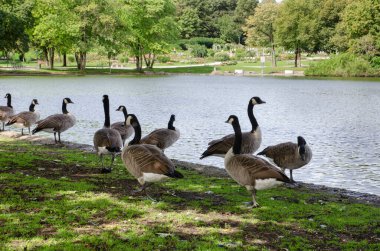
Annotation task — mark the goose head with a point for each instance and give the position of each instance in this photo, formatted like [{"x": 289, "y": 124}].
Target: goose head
[
  {"x": 301, "y": 147},
  {"x": 257, "y": 101},
  {"x": 172, "y": 118},
  {"x": 232, "y": 119},
  {"x": 35, "y": 102},
  {"x": 8, "y": 95},
  {"x": 68, "y": 101},
  {"x": 121, "y": 108}
]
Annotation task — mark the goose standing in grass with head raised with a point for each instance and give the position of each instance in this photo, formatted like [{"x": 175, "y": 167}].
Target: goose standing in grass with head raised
[
  {"x": 124, "y": 130},
  {"x": 57, "y": 123},
  {"x": 163, "y": 137},
  {"x": 289, "y": 155},
  {"x": 147, "y": 163},
  {"x": 107, "y": 140},
  {"x": 252, "y": 172},
  {"x": 6, "y": 111},
  {"x": 25, "y": 119},
  {"x": 251, "y": 140}
]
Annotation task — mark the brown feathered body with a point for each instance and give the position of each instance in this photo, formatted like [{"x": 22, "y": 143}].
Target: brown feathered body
[
  {"x": 6, "y": 113},
  {"x": 107, "y": 141},
  {"x": 125, "y": 130},
  {"x": 24, "y": 119},
  {"x": 56, "y": 123},
  {"x": 162, "y": 138}
]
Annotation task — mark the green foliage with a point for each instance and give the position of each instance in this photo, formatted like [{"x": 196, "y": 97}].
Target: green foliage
[
  {"x": 199, "y": 51},
  {"x": 342, "y": 65},
  {"x": 163, "y": 59},
  {"x": 221, "y": 56},
  {"x": 375, "y": 62},
  {"x": 208, "y": 42},
  {"x": 229, "y": 30}
]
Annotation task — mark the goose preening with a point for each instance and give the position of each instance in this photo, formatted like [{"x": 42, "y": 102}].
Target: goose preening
[
  {"x": 147, "y": 163},
  {"x": 25, "y": 119},
  {"x": 6, "y": 111},
  {"x": 289, "y": 155},
  {"x": 57, "y": 123},
  {"x": 124, "y": 130},
  {"x": 163, "y": 137},
  {"x": 251, "y": 139},
  {"x": 107, "y": 140},
  {"x": 252, "y": 172}
]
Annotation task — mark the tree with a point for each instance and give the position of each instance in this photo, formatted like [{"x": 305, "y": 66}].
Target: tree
[
  {"x": 189, "y": 22},
  {"x": 230, "y": 31},
  {"x": 15, "y": 20},
  {"x": 359, "y": 29},
  {"x": 150, "y": 29},
  {"x": 297, "y": 27},
  {"x": 244, "y": 9},
  {"x": 260, "y": 27}
]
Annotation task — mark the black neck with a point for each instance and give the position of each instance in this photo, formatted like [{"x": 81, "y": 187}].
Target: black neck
[
  {"x": 136, "y": 139},
  {"x": 31, "y": 107},
  {"x": 170, "y": 124},
  {"x": 64, "y": 109},
  {"x": 125, "y": 112},
  {"x": 238, "y": 138},
  {"x": 106, "y": 106},
  {"x": 9, "y": 103},
  {"x": 252, "y": 117}
]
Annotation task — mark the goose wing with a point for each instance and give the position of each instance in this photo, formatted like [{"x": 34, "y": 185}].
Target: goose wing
[
  {"x": 247, "y": 166},
  {"x": 147, "y": 159},
  {"x": 125, "y": 131},
  {"x": 162, "y": 138},
  {"x": 5, "y": 111},
  {"x": 107, "y": 137},
  {"x": 53, "y": 121},
  {"x": 281, "y": 153},
  {"x": 24, "y": 118}
]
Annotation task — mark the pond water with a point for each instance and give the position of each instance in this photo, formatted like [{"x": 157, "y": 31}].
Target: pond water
[{"x": 340, "y": 119}]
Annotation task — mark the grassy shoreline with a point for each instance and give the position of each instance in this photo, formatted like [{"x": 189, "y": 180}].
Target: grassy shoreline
[{"x": 54, "y": 198}]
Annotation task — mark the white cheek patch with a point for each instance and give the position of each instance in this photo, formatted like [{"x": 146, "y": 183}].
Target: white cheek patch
[
  {"x": 66, "y": 102},
  {"x": 254, "y": 102},
  {"x": 231, "y": 120},
  {"x": 128, "y": 122}
]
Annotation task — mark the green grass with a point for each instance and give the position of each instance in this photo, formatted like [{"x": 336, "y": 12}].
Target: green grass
[{"x": 54, "y": 198}]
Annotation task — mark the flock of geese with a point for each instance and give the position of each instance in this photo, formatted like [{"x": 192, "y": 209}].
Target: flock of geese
[{"x": 144, "y": 158}]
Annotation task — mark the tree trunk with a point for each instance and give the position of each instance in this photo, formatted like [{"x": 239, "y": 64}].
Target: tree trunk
[
  {"x": 149, "y": 61},
  {"x": 81, "y": 57},
  {"x": 51, "y": 58},
  {"x": 299, "y": 58},
  {"x": 274, "y": 61},
  {"x": 296, "y": 55},
  {"x": 46, "y": 57},
  {"x": 64, "y": 60}
]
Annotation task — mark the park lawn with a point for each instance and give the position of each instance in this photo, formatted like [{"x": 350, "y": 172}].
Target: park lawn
[
  {"x": 256, "y": 67},
  {"x": 55, "y": 198}
]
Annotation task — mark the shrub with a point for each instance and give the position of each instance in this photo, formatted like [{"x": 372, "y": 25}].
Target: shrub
[
  {"x": 123, "y": 59},
  {"x": 375, "y": 62},
  {"x": 221, "y": 56},
  {"x": 199, "y": 51},
  {"x": 342, "y": 65},
  {"x": 185, "y": 44},
  {"x": 240, "y": 54},
  {"x": 163, "y": 59},
  {"x": 71, "y": 58}
]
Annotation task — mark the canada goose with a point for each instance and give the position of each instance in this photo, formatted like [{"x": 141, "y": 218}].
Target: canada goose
[
  {"x": 251, "y": 139},
  {"x": 125, "y": 131},
  {"x": 57, "y": 123},
  {"x": 163, "y": 137},
  {"x": 147, "y": 163},
  {"x": 107, "y": 140},
  {"x": 248, "y": 170},
  {"x": 25, "y": 119},
  {"x": 6, "y": 111},
  {"x": 289, "y": 155}
]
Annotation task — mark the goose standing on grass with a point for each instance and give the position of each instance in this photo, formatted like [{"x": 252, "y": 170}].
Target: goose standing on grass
[
  {"x": 57, "y": 123},
  {"x": 163, "y": 137},
  {"x": 125, "y": 131},
  {"x": 6, "y": 111},
  {"x": 25, "y": 119},
  {"x": 251, "y": 139},
  {"x": 147, "y": 163},
  {"x": 289, "y": 155},
  {"x": 107, "y": 140},
  {"x": 252, "y": 172}
]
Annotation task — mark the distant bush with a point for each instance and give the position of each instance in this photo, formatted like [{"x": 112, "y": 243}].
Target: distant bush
[
  {"x": 185, "y": 44},
  {"x": 342, "y": 65},
  {"x": 123, "y": 59},
  {"x": 221, "y": 56},
  {"x": 71, "y": 58},
  {"x": 163, "y": 59},
  {"x": 199, "y": 51},
  {"x": 240, "y": 54},
  {"x": 375, "y": 62}
]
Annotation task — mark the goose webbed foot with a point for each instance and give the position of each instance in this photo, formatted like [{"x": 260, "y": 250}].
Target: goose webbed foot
[{"x": 252, "y": 204}]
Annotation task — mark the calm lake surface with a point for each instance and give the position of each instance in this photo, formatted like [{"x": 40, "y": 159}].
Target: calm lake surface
[{"x": 340, "y": 119}]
